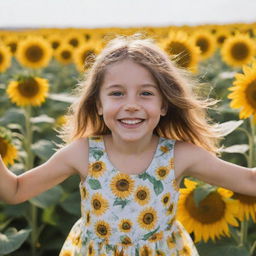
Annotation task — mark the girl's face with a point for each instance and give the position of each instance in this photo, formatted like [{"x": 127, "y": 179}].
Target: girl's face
[{"x": 130, "y": 101}]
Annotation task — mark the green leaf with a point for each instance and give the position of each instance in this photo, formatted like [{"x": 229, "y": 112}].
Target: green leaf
[
  {"x": 158, "y": 185},
  {"x": 72, "y": 204},
  {"x": 12, "y": 239},
  {"x": 48, "y": 198},
  {"x": 119, "y": 201},
  {"x": 229, "y": 126},
  {"x": 49, "y": 216},
  {"x": 44, "y": 149},
  {"x": 13, "y": 115},
  {"x": 94, "y": 184},
  {"x": 148, "y": 235},
  {"x": 242, "y": 148},
  {"x": 42, "y": 119},
  {"x": 201, "y": 192},
  {"x": 225, "y": 249},
  {"x": 62, "y": 97}
]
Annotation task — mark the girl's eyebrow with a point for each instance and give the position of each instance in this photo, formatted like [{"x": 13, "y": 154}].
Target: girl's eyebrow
[{"x": 120, "y": 86}]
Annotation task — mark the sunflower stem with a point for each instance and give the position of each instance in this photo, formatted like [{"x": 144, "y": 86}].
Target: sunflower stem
[
  {"x": 251, "y": 144},
  {"x": 252, "y": 248},
  {"x": 244, "y": 231},
  {"x": 29, "y": 165}
]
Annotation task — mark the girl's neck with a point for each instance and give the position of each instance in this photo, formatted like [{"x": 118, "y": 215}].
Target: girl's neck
[{"x": 130, "y": 148}]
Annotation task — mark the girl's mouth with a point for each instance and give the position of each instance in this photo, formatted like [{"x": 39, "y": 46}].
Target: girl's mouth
[{"x": 131, "y": 123}]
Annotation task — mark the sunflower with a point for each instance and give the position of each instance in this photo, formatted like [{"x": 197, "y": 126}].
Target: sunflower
[
  {"x": 66, "y": 253},
  {"x": 206, "y": 42},
  {"x": 122, "y": 185},
  {"x": 186, "y": 54},
  {"x": 84, "y": 56},
  {"x": 91, "y": 249},
  {"x": 145, "y": 251},
  {"x": 210, "y": 219},
  {"x": 8, "y": 151},
  {"x": 125, "y": 225},
  {"x": 166, "y": 198},
  {"x": 102, "y": 229},
  {"x": 99, "y": 204},
  {"x": 12, "y": 42},
  {"x": 34, "y": 52},
  {"x": 28, "y": 91},
  {"x": 247, "y": 206},
  {"x": 221, "y": 35},
  {"x": 162, "y": 172},
  {"x": 64, "y": 54},
  {"x": 238, "y": 50},
  {"x": 55, "y": 41},
  {"x": 97, "y": 169},
  {"x": 142, "y": 195},
  {"x": 148, "y": 218},
  {"x": 5, "y": 58},
  {"x": 74, "y": 39},
  {"x": 243, "y": 93}
]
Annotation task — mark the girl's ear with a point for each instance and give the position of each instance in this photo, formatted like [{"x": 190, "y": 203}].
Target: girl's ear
[
  {"x": 99, "y": 107},
  {"x": 164, "y": 109}
]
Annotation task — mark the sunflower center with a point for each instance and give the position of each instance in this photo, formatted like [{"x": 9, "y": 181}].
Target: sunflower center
[
  {"x": 88, "y": 218},
  {"x": 240, "y": 51},
  {"x": 251, "y": 93},
  {"x": 3, "y": 148},
  {"x": 97, "y": 167},
  {"x": 66, "y": 55},
  {"x": 211, "y": 209},
  {"x": 162, "y": 172},
  {"x": 184, "y": 55},
  {"x": 74, "y": 42},
  {"x": 122, "y": 185},
  {"x": 126, "y": 240},
  {"x": 126, "y": 226},
  {"x": 142, "y": 194},
  {"x": 166, "y": 199},
  {"x": 13, "y": 47},
  {"x": 203, "y": 43},
  {"x": 102, "y": 229},
  {"x": 96, "y": 204},
  {"x": 145, "y": 252},
  {"x": 34, "y": 53},
  {"x": 28, "y": 88},
  {"x": 148, "y": 218},
  {"x": 55, "y": 44},
  {"x": 221, "y": 39},
  {"x": 245, "y": 199},
  {"x": 1, "y": 58}
]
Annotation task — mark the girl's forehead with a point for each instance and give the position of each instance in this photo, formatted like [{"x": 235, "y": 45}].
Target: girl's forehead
[{"x": 127, "y": 70}]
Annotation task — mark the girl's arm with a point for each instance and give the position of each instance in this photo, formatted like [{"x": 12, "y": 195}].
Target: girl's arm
[
  {"x": 69, "y": 160},
  {"x": 195, "y": 161}
]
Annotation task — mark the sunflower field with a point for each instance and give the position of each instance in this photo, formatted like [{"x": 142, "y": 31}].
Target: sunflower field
[{"x": 39, "y": 71}]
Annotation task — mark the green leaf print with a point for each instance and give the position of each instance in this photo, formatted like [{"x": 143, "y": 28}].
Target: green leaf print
[
  {"x": 146, "y": 237},
  {"x": 158, "y": 185},
  {"x": 97, "y": 154},
  {"x": 137, "y": 252},
  {"x": 110, "y": 248},
  {"x": 144, "y": 176},
  {"x": 94, "y": 184},
  {"x": 119, "y": 201}
]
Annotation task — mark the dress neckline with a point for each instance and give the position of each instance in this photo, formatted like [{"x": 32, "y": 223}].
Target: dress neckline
[{"x": 135, "y": 174}]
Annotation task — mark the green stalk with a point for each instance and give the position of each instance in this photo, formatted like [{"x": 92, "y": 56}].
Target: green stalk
[
  {"x": 250, "y": 164},
  {"x": 29, "y": 165}
]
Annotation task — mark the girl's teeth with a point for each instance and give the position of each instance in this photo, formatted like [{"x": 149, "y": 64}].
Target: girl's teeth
[{"x": 131, "y": 121}]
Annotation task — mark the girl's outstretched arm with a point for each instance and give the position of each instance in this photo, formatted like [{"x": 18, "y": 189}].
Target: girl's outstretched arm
[
  {"x": 191, "y": 160},
  {"x": 71, "y": 159}
]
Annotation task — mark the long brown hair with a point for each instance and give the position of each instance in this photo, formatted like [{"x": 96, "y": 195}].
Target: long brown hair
[{"x": 186, "y": 117}]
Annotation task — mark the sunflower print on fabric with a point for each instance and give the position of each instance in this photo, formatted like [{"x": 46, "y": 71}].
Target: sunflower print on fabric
[{"x": 129, "y": 214}]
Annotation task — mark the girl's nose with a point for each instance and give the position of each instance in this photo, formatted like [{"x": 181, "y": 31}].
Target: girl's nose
[{"x": 131, "y": 107}]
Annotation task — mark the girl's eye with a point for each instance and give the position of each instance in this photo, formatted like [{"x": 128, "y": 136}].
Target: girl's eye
[
  {"x": 115, "y": 93},
  {"x": 147, "y": 93}
]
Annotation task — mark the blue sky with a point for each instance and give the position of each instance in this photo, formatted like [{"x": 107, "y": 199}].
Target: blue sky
[{"x": 122, "y": 13}]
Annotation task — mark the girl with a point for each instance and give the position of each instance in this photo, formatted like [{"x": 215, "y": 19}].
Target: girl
[{"x": 135, "y": 131}]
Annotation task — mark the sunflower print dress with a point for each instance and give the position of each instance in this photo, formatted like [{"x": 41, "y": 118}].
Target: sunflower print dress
[{"x": 129, "y": 214}]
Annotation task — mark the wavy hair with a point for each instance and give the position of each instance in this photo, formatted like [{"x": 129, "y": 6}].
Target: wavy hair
[{"x": 186, "y": 117}]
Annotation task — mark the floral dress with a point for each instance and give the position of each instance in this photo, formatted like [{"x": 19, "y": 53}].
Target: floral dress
[{"x": 129, "y": 214}]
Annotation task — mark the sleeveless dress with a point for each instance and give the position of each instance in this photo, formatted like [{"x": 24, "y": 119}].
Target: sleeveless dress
[{"x": 129, "y": 214}]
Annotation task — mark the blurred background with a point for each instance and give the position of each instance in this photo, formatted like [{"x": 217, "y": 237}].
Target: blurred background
[{"x": 47, "y": 48}]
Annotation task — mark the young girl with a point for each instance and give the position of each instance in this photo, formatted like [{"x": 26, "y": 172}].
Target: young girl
[{"x": 135, "y": 131}]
